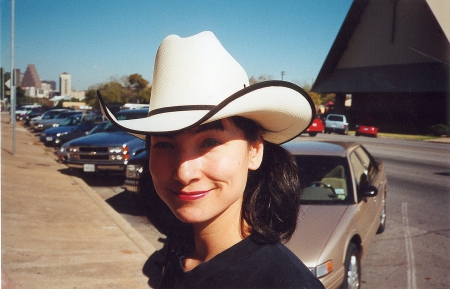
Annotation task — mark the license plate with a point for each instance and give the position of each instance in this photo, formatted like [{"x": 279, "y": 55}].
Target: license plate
[
  {"x": 88, "y": 168},
  {"x": 334, "y": 125},
  {"x": 49, "y": 138}
]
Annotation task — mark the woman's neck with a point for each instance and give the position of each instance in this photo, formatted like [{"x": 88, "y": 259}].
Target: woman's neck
[{"x": 215, "y": 237}]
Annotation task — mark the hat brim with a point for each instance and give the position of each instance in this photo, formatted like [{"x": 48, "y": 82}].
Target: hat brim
[{"x": 282, "y": 108}]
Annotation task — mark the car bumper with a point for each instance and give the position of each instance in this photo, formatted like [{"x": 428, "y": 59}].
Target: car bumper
[{"x": 131, "y": 185}]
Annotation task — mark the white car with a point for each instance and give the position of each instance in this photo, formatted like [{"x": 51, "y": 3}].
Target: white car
[{"x": 336, "y": 123}]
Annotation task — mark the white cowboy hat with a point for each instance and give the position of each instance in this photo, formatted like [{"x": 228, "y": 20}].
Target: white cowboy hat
[{"x": 196, "y": 81}]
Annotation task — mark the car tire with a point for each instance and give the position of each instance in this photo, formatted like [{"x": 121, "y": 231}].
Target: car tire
[
  {"x": 352, "y": 265},
  {"x": 382, "y": 226},
  {"x": 312, "y": 133}
]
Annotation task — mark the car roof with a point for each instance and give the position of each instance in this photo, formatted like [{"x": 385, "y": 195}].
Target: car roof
[{"x": 325, "y": 148}]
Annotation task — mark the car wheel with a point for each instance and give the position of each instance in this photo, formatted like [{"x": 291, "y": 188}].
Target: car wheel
[
  {"x": 352, "y": 275},
  {"x": 382, "y": 226},
  {"x": 312, "y": 133}
]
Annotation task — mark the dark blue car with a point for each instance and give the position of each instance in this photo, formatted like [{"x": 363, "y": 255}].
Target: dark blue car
[
  {"x": 107, "y": 150},
  {"x": 67, "y": 125},
  {"x": 81, "y": 130}
]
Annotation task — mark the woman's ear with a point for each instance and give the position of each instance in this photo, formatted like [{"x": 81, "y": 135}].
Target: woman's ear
[{"x": 255, "y": 155}]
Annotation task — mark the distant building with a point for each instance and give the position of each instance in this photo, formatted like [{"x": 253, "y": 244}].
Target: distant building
[
  {"x": 78, "y": 94},
  {"x": 393, "y": 58},
  {"x": 65, "y": 84},
  {"x": 52, "y": 83},
  {"x": 31, "y": 78}
]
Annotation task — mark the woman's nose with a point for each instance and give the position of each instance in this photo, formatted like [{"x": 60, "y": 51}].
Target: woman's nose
[{"x": 187, "y": 168}]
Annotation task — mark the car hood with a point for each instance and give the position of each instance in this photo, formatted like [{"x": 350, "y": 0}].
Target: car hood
[
  {"x": 105, "y": 139},
  {"x": 315, "y": 227},
  {"x": 58, "y": 129}
]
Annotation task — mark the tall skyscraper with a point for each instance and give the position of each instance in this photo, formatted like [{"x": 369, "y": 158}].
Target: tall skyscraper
[
  {"x": 31, "y": 78},
  {"x": 65, "y": 85}
]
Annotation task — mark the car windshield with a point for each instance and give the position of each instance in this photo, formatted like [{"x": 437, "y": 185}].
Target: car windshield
[
  {"x": 72, "y": 120},
  {"x": 324, "y": 179},
  {"x": 105, "y": 127},
  {"x": 50, "y": 114},
  {"x": 335, "y": 118},
  {"x": 66, "y": 114}
]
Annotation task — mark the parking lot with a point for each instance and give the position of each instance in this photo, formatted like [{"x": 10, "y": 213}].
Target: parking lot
[{"x": 413, "y": 252}]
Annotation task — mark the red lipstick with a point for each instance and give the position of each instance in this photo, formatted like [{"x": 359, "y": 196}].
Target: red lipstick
[{"x": 192, "y": 196}]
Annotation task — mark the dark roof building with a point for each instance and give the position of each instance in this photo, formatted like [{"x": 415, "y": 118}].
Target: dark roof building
[{"x": 393, "y": 57}]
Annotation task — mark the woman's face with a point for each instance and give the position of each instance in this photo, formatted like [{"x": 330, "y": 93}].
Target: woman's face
[{"x": 201, "y": 173}]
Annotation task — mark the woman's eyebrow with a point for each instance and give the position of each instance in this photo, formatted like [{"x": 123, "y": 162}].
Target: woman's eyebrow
[{"x": 215, "y": 125}]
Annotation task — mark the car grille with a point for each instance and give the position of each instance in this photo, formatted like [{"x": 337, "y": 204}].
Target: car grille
[
  {"x": 93, "y": 153},
  {"x": 94, "y": 157},
  {"x": 93, "y": 149}
]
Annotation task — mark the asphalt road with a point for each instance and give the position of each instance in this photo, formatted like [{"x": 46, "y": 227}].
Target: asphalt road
[{"x": 414, "y": 251}]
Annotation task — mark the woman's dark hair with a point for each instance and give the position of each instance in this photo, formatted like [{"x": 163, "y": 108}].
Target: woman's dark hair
[{"x": 271, "y": 197}]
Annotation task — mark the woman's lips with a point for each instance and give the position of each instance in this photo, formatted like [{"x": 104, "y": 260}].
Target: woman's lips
[{"x": 191, "y": 196}]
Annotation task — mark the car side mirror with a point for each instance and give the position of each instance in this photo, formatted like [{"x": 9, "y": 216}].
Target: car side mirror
[{"x": 367, "y": 191}]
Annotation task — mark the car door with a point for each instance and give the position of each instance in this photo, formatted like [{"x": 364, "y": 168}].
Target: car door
[{"x": 366, "y": 216}]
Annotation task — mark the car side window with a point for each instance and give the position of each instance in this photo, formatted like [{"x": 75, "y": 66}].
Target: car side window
[
  {"x": 368, "y": 163},
  {"x": 358, "y": 170}
]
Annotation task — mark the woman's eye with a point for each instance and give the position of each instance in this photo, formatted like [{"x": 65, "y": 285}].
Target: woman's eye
[{"x": 210, "y": 142}]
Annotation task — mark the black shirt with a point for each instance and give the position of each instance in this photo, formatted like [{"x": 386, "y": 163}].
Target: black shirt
[{"x": 244, "y": 265}]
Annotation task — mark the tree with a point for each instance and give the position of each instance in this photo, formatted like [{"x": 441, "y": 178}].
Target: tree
[
  {"x": 128, "y": 89},
  {"x": 110, "y": 91},
  {"x": 136, "y": 84},
  {"x": 261, "y": 78}
]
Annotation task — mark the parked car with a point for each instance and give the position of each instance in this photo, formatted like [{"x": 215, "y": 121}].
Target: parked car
[
  {"x": 316, "y": 127},
  {"x": 52, "y": 113},
  {"x": 32, "y": 113},
  {"x": 49, "y": 135},
  {"x": 23, "y": 108},
  {"x": 343, "y": 206},
  {"x": 366, "y": 130},
  {"x": 108, "y": 150},
  {"x": 82, "y": 129},
  {"x": 336, "y": 123},
  {"x": 54, "y": 122},
  {"x": 62, "y": 152},
  {"x": 134, "y": 170}
]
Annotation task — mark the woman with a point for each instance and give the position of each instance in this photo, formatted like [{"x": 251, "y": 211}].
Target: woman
[{"x": 221, "y": 188}]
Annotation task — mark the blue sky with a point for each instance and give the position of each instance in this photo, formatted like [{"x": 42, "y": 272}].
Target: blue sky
[{"x": 96, "y": 40}]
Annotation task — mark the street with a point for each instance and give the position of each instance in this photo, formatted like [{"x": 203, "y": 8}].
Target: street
[{"x": 413, "y": 252}]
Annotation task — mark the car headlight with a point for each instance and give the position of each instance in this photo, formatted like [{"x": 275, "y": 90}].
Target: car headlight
[
  {"x": 73, "y": 149},
  {"x": 40, "y": 125},
  {"x": 119, "y": 153},
  {"x": 134, "y": 171},
  {"x": 55, "y": 124},
  {"x": 115, "y": 150},
  {"x": 323, "y": 269}
]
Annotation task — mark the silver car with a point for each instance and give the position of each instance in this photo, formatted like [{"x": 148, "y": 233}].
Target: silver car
[{"x": 343, "y": 206}]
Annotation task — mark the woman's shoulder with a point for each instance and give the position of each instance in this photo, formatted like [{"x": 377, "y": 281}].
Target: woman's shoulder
[
  {"x": 248, "y": 264},
  {"x": 285, "y": 269}
]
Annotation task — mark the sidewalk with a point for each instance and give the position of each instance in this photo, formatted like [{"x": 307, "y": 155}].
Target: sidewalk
[{"x": 56, "y": 231}]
